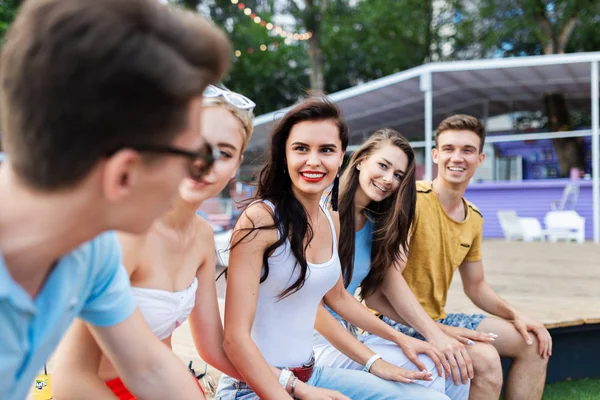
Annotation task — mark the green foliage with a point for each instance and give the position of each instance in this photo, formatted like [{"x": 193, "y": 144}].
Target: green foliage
[
  {"x": 374, "y": 39},
  {"x": 510, "y": 28},
  {"x": 360, "y": 41},
  {"x": 363, "y": 40},
  {"x": 8, "y": 11}
]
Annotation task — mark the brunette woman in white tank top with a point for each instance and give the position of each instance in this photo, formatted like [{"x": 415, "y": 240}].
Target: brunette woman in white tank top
[
  {"x": 172, "y": 266},
  {"x": 283, "y": 262}
]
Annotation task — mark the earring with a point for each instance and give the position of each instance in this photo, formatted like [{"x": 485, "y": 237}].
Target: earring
[{"x": 335, "y": 190}]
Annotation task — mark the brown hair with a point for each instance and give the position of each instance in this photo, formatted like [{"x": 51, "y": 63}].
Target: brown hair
[
  {"x": 462, "y": 122},
  {"x": 81, "y": 78},
  {"x": 245, "y": 117},
  {"x": 392, "y": 217},
  {"x": 275, "y": 185}
]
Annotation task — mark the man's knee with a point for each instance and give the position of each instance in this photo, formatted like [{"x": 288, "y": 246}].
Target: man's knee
[
  {"x": 486, "y": 364},
  {"x": 529, "y": 353}
]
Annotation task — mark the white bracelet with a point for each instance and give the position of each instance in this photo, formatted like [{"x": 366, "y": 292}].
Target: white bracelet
[
  {"x": 371, "y": 361},
  {"x": 284, "y": 377}
]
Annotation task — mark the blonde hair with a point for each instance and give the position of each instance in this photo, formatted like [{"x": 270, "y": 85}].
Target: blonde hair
[{"x": 246, "y": 117}]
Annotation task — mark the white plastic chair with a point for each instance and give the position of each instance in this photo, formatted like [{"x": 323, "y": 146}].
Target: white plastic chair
[
  {"x": 517, "y": 228},
  {"x": 510, "y": 224},
  {"x": 222, "y": 247},
  {"x": 532, "y": 229},
  {"x": 565, "y": 225},
  {"x": 568, "y": 200}
]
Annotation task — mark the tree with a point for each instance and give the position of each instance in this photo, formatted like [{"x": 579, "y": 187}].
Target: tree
[
  {"x": 8, "y": 11},
  {"x": 532, "y": 27},
  {"x": 313, "y": 20},
  {"x": 352, "y": 42}
]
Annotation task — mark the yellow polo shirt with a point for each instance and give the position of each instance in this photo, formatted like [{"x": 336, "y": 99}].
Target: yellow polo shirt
[{"x": 438, "y": 246}]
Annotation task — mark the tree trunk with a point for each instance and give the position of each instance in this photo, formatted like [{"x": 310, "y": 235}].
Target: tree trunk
[
  {"x": 570, "y": 151},
  {"x": 313, "y": 22},
  {"x": 317, "y": 82},
  {"x": 191, "y": 4},
  {"x": 429, "y": 33}
]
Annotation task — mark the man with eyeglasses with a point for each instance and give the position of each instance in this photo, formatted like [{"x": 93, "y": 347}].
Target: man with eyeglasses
[{"x": 100, "y": 104}]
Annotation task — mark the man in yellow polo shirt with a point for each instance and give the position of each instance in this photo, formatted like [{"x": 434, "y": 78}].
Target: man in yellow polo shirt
[{"x": 446, "y": 236}]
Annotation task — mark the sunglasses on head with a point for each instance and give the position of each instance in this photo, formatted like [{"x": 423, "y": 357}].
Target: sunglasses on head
[
  {"x": 200, "y": 161},
  {"x": 235, "y": 99}
]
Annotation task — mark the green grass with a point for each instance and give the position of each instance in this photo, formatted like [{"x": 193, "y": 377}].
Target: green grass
[{"x": 584, "y": 389}]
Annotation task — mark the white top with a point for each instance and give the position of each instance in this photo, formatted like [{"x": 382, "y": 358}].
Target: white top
[
  {"x": 163, "y": 310},
  {"x": 283, "y": 328}
]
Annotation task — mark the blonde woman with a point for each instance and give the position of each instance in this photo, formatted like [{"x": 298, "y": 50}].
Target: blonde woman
[{"x": 172, "y": 266}]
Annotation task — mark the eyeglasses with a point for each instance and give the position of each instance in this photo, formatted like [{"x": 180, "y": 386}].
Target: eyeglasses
[
  {"x": 235, "y": 99},
  {"x": 201, "y": 161}
]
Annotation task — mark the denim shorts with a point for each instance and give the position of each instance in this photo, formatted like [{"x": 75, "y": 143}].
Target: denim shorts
[
  {"x": 457, "y": 320},
  {"x": 230, "y": 388}
]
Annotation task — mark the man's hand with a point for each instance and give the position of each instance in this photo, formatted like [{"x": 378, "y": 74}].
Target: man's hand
[
  {"x": 412, "y": 347},
  {"x": 467, "y": 336},
  {"x": 457, "y": 361},
  {"x": 525, "y": 324}
]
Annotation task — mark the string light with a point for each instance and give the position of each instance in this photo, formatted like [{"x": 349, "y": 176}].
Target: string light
[
  {"x": 263, "y": 47},
  {"x": 289, "y": 36}
]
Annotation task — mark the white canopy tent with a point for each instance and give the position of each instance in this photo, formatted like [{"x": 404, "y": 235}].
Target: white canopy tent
[{"x": 416, "y": 100}]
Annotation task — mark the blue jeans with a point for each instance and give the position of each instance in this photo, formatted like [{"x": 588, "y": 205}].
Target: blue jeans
[
  {"x": 357, "y": 385},
  {"x": 328, "y": 356}
]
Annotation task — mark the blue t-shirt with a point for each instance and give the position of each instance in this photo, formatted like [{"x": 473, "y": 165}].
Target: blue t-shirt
[
  {"x": 89, "y": 283},
  {"x": 362, "y": 259}
]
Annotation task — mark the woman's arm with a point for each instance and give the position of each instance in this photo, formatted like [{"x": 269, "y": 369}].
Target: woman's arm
[
  {"x": 78, "y": 357},
  {"x": 243, "y": 280},
  {"x": 75, "y": 372},
  {"x": 357, "y": 351},
  {"x": 346, "y": 305},
  {"x": 205, "y": 320},
  {"x": 396, "y": 300}
]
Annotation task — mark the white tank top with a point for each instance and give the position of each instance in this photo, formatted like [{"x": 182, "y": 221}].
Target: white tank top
[{"x": 283, "y": 329}]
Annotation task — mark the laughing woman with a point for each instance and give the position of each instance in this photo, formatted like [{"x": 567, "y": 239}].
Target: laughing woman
[
  {"x": 377, "y": 205},
  {"x": 172, "y": 266},
  {"x": 283, "y": 262}
]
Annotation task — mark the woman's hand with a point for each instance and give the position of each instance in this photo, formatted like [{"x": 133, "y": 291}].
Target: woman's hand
[
  {"x": 305, "y": 391},
  {"x": 467, "y": 336},
  {"x": 412, "y": 347},
  {"x": 390, "y": 372}
]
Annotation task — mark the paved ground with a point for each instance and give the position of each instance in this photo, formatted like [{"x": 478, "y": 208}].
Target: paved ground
[{"x": 557, "y": 283}]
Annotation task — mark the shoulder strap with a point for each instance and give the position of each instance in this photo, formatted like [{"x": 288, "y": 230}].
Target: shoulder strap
[{"x": 331, "y": 224}]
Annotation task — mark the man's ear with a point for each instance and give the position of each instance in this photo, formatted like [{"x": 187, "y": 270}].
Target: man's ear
[
  {"x": 481, "y": 158},
  {"x": 434, "y": 155},
  {"x": 120, "y": 175}
]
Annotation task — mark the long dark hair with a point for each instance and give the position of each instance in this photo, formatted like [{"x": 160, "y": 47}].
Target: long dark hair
[
  {"x": 392, "y": 217},
  {"x": 275, "y": 185}
]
